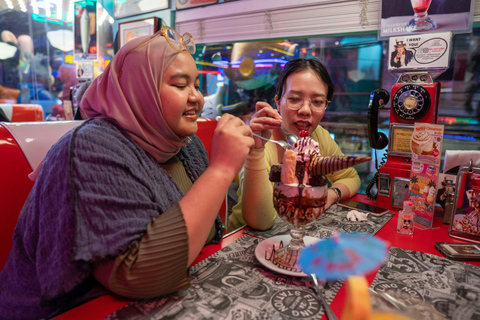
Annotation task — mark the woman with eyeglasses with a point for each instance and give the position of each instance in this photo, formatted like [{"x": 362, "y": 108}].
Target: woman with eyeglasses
[
  {"x": 124, "y": 203},
  {"x": 303, "y": 93}
]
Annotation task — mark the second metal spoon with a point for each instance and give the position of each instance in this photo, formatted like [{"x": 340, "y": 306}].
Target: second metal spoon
[
  {"x": 328, "y": 311},
  {"x": 290, "y": 137},
  {"x": 282, "y": 143}
]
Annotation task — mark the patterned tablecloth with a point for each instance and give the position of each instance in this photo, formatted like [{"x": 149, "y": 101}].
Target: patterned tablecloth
[
  {"x": 333, "y": 219},
  {"x": 232, "y": 284},
  {"x": 432, "y": 287}
]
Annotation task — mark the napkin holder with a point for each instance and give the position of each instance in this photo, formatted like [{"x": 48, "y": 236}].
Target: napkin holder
[{"x": 465, "y": 221}]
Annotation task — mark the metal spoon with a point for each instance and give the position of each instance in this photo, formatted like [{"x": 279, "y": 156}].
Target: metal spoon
[
  {"x": 282, "y": 143},
  {"x": 388, "y": 298},
  {"x": 290, "y": 138},
  {"x": 328, "y": 311}
]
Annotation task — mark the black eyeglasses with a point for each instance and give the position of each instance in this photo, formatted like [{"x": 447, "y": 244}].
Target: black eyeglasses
[{"x": 316, "y": 104}]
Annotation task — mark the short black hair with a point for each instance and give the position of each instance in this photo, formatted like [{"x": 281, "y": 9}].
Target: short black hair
[{"x": 301, "y": 65}]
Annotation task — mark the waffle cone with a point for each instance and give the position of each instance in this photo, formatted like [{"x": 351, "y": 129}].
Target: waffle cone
[{"x": 320, "y": 166}]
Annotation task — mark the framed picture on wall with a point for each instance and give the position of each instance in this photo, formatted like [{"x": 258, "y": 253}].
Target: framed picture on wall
[
  {"x": 132, "y": 29},
  {"x": 122, "y": 8}
]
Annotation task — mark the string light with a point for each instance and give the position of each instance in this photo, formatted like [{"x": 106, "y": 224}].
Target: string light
[
  {"x": 9, "y": 4},
  {"x": 103, "y": 17},
  {"x": 59, "y": 9},
  {"x": 48, "y": 13},
  {"x": 23, "y": 8},
  {"x": 71, "y": 11},
  {"x": 34, "y": 5}
]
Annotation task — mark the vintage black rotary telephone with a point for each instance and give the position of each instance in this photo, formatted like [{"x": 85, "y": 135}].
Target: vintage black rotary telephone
[{"x": 378, "y": 140}]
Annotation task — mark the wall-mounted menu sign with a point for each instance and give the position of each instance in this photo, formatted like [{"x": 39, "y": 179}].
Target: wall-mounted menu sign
[
  {"x": 403, "y": 17},
  {"x": 182, "y": 4}
]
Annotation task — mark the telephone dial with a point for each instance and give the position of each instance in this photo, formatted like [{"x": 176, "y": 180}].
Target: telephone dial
[{"x": 415, "y": 98}]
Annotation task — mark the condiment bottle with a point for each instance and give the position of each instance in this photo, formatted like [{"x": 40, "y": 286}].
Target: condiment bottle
[
  {"x": 406, "y": 219},
  {"x": 447, "y": 215}
]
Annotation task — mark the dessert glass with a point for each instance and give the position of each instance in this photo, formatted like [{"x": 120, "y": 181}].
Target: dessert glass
[
  {"x": 420, "y": 22},
  {"x": 299, "y": 205}
]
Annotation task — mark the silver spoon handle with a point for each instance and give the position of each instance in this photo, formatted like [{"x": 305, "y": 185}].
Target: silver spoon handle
[
  {"x": 283, "y": 144},
  {"x": 328, "y": 311}
]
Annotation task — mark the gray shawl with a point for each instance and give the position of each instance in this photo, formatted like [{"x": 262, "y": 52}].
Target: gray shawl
[{"x": 74, "y": 217}]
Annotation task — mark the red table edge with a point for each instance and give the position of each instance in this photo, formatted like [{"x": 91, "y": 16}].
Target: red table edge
[{"x": 103, "y": 306}]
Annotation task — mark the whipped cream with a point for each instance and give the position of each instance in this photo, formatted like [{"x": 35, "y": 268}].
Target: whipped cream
[{"x": 306, "y": 148}]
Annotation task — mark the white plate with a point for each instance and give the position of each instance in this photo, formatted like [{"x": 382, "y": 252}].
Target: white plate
[{"x": 267, "y": 245}]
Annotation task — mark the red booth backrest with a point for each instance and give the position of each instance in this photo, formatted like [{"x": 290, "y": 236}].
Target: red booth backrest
[
  {"x": 22, "y": 147},
  {"x": 206, "y": 128},
  {"x": 23, "y": 112}
]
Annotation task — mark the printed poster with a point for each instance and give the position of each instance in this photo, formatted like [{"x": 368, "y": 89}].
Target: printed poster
[
  {"x": 426, "y": 146},
  {"x": 182, "y": 4},
  {"x": 405, "y": 17},
  {"x": 85, "y": 30},
  {"x": 426, "y": 51}
]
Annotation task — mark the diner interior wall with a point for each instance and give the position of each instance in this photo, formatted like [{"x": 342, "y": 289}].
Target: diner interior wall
[
  {"x": 165, "y": 15},
  {"x": 273, "y": 19}
]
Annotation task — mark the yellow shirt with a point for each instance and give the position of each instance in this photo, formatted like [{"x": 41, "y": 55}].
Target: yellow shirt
[{"x": 256, "y": 171}]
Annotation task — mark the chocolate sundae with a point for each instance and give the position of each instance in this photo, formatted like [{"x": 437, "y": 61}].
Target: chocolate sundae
[{"x": 301, "y": 187}]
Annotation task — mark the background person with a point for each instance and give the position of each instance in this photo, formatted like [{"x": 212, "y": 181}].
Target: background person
[
  {"x": 303, "y": 93},
  {"x": 124, "y": 202}
]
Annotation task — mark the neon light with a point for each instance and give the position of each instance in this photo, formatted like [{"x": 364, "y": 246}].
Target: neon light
[
  {"x": 208, "y": 72},
  {"x": 452, "y": 120},
  {"x": 274, "y": 60},
  {"x": 44, "y": 19},
  {"x": 450, "y": 136},
  {"x": 287, "y": 44},
  {"x": 223, "y": 64},
  {"x": 263, "y": 65},
  {"x": 281, "y": 51},
  {"x": 210, "y": 64}
]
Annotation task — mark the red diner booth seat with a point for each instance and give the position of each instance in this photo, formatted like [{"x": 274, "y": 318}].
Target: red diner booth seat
[
  {"x": 23, "y": 112},
  {"x": 23, "y": 145},
  {"x": 206, "y": 128}
]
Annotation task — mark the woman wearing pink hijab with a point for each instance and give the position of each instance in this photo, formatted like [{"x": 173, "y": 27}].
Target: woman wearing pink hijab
[{"x": 124, "y": 202}]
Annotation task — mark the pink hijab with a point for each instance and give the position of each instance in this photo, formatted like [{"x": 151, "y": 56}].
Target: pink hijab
[{"x": 129, "y": 92}]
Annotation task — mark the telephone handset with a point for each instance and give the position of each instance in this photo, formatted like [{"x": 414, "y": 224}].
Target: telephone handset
[{"x": 378, "y": 98}]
